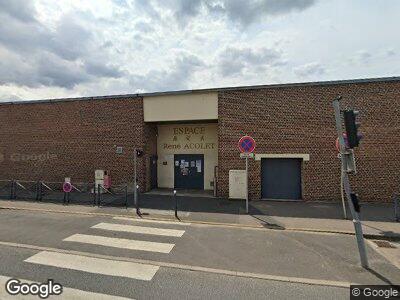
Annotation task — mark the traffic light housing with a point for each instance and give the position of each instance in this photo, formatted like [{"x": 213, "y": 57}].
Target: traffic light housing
[
  {"x": 139, "y": 153},
  {"x": 351, "y": 125}
]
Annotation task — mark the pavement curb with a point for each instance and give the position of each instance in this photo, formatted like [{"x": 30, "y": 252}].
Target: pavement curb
[{"x": 243, "y": 226}]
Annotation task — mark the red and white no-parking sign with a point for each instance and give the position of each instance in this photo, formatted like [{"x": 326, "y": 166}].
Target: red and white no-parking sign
[
  {"x": 247, "y": 144},
  {"x": 67, "y": 187}
]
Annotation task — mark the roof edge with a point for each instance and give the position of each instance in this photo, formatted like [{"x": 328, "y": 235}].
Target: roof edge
[{"x": 218, "y": 89}]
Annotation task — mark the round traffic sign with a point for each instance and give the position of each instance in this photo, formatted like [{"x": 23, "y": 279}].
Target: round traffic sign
[
  {"x": 247, "y": 144},
  {"x": 67, "y": 187}
]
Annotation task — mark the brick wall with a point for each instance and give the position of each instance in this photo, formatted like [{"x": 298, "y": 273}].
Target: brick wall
[
  {"x": 50, "y": 141},
  {"x": 300, "y": 119}
]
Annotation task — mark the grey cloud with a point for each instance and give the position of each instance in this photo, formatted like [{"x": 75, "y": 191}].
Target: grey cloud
[
  {"x": 187, "y": 9},
  {"x": 101, "y": 70},
  {"x": 238, "y": 11},
  {"x": 310, "y": 69},
  {"x": 390, "y": 52},
  {"x": 71, "y": 40},
  {"x": 42, "y": 56},
  {"x": 176, "y": 77},
  {"x": 147, "y": 7},
  {"x": 233, "y": 61},
  {"x": 53, "y": 71},
  {"x": 144, "y": 27},
  {"x": 246, "y": 12},
  {"x": 23, "y": 10},
  {"x": 361, "y": 57},
  {"x": 40, "y": 69}
]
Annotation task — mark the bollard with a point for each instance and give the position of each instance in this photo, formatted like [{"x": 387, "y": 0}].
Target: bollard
[
  {"x": 94, "y": 194},
  {"x": 176, "y": 205},
  {"x": 12, "y": 190},
  {"x": 40, "y": 191},
  {"x": 137, "y": 201},
  {"x": 126, "y": 196},
  {"x": 98, "y": 195},
  {"x": 37, "y": 190},
  {"x": 66, "y": 198},
  {"x": 396, "y": 200}
]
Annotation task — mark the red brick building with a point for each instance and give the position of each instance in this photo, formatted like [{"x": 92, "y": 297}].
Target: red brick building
[{"x": 185, "y": 135}]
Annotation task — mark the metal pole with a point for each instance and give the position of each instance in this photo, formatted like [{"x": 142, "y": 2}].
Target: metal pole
[
  {"x": 346, "y": 184},
  {"x": 137, "y": 202},
  {"x": 396, "y": 208},
  {"x": 37, "y": 190},
  {"x": 94, "y": 194},
  {"x": 342, "y": 195},
  {"x": 247, "y": 185},
  {"x": 135, "y": 177},
  {"x": 356, "y": 223},
  {"x": 98, "y": 195},
  {"x": 176, "y": 205},
  {"x": 126, "y": 196}
]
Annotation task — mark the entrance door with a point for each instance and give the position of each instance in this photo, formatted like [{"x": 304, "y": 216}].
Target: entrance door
[
  {"x": 281, "y": 178},
  {"x": 153, "y": 171},
  {"x": 189, "y": 171}
]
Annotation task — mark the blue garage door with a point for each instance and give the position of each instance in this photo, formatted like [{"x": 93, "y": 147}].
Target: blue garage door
[{"x": 281, "y": 178}]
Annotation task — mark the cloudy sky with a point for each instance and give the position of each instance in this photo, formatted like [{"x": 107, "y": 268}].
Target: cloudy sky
[{"x": 52, "y": 49}]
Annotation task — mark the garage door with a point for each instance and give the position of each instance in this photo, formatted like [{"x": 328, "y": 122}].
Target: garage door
[{"x": 281, "y": 178}]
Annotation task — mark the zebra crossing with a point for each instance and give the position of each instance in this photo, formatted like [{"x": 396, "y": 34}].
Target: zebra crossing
[{"x": 107, "y": 267}]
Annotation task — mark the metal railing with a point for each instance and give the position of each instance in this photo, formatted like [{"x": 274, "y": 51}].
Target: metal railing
[{"x": 81, "y": 192}]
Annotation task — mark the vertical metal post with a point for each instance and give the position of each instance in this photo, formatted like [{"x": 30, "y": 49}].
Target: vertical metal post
[
  {"x": 11, "y": 189},
  {"x": 37, "y": 190},
  {"x": 137, "y": 201},
  {"x": 135, "y": 177},
  {"x": 396, "y": 207},
  {"x": 94, "y": 194},
  {"x": 247, "y": 184},
  {"x": 126, "y": 196},
  {"x": 342, "y": 195},
  {"x": 98, "y": 195},
  {"x": 176, "y": 205},
  {"x": 346, "y": 184}
]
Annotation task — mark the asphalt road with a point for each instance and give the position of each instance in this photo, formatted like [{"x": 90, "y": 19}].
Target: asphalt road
[{"x": 163, "y": 261}]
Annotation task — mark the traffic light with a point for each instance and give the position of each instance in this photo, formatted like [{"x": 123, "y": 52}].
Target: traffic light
[
  {"x": 139, "y": 153},
  {"x": 351, "y": 125}
]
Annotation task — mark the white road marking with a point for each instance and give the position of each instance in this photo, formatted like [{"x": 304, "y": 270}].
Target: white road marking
[
  {"x": 94, "y": 265},
  {"x": 151, "y": 221},
  {"x": 68, "y": 293},
  {"x": 121, "y": 243},
  {"x": 139, "y": 229}
]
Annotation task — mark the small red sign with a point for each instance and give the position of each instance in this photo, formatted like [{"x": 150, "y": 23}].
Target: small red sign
[
  {"x": 337, "y": 144},
  {"x": 67, "y": 187},
  {"x": 247, "y": 144}
]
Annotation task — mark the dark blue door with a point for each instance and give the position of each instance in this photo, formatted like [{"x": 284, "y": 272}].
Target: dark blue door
[
  {"x": 281, "y": 178},
  {"x": 189, "y": 171}
]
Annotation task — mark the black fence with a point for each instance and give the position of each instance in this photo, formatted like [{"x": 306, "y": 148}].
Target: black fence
[{"x": 81, "y": 193}]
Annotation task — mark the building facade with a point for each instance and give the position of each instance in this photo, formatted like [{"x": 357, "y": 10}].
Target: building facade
[{"x": 190, "y": 139}]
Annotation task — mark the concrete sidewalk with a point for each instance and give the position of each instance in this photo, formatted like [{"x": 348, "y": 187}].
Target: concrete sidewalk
[{"x": 231, "y": 213}]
